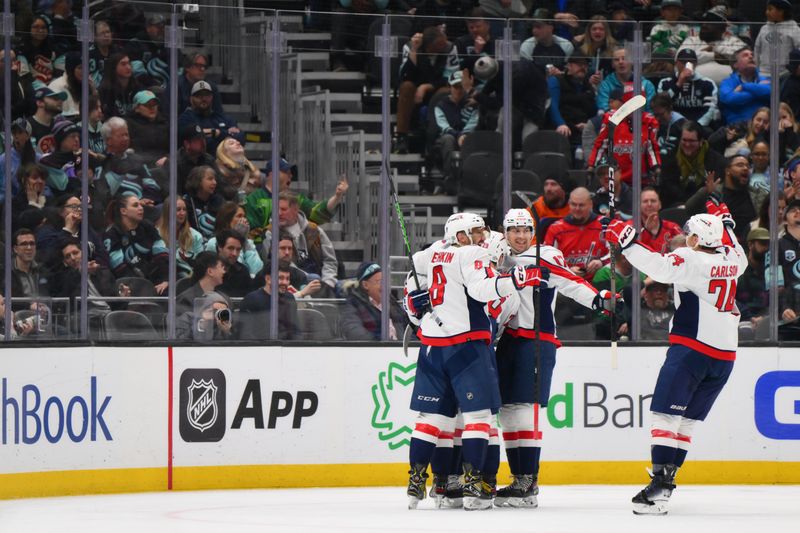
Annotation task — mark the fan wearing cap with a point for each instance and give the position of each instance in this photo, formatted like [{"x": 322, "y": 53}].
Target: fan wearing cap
[
  {"x": 148, "y": 127},
  {"x": 703, "y": 337},
  {"x": 780, "y": 19},
  {"x": 620, "y": 79},
  {"x": 572, "y": 99},
  {"x": 361, "y": 315},
  {"x": 752, "y": 292},
  {"x": 48, "y": 105},
  {"x": 215, "y": 125},
  {"x": 693, "y": 96},
  {"x": 456, "y": 117},
  {"x": 195, "y": 68},
  {"x": 545, "y": 48},
  {"x": 552, "y": 205},
  {"x": 669, "y": 33},
  {"x": 714, "y": 41},
  {"x": 790, "y": 90},
  {"x": 789, "y": 257},
  {"x": 64, "y": 162},
  {"x": 149, "y": 53},
  {"x": 623, "y": 143}
]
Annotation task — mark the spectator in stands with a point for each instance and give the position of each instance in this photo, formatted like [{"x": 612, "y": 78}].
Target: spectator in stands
[
  {"x": 623, "y": 277},
  {"x": 22, "y": 99},
  {"x": 734, "y": 192},
  {"x": 623, "y": 144},
  {"x": 66, "y": 226},
  {"x": 428, "y": 60},
  {"x": 752, "y": 292},
  {"x": 202, "y": 200},
  {"x": 597, "y": 44},
  {"x": 232, "y": 217},
  {"x": 22, "y": 154},
  {"x": 195, "y": 68},
  {"x": 744, "y": 91},
  {"x": 670, "y": 123},
  {"x": 216, "y": 126},
  {"x": 63, "y": 25},
  {"x": 36, "y": 52},
  {"x": 552, "y": 205},
  {"x": 657, "y": 311},
  {"x": 301, "y": 284},
  {"x": 693, "y": 96},
  {"x": 70, "y": 84},
  {"x": 779, "y": 19},
  {"x": 623, "y": 193},
  {"x": 572, "y": 99},
  {"x": 21, "y": 328},
  {"x": 578, "y": 236},
  {"x": 149, "y": 53},
  {"x": 456, "y": 117},
  {"x": 258, "y": 204},
  {"x": 123, "y": 171},
  {"x": 96, "y": 142},
  {"x": 133, "y": 244},
  {"x": 621, "y": 20},
  {"x": 789, "y": 257},
  {"x": 207, "y": 275},
  {"x": 67, "y": 278},
  {"x": 656, "y": 231},
  {"x": 791, "y": 180},
  {"x": 148, "y": 128},
  {"x": 192, "y": 154},
  {"x": 545, "y": 48},
  {"x": 210, "y": 319},
  {"x": 315, "y": 253},
  {"x": 759, "y": 172},
  {"x": 740, "y": 138},
  {"x": 594, "y": 124},
  {"x": 118, "y": 87},
  {"x": 31, "y": 194},
  {"x": 669, "y": 33},
  {"x": 685, "y": 172},
  {"x": 478, "y": 41},
  {"x": 64, "y": 162},
  {"x": 790, "y": 90},
  {"x": 29, "y": 279},
  {"x": 714, "y": 46},
  {"x": 100, "y": 50},
  {"x": 48, "y": 105},
  {"x": 623, "y": 74},
  {"x": 361, "y": 315},
  {"x": 188, "y": 242},
  {"x": 349, "y": 27},
  {"x": 238, "y": 176},
  {"x": 237, "y": 281},
  {"x": 257, "y": 304}
]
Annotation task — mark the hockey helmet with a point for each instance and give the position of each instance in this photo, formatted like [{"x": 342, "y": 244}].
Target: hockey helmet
[
  {"x": 516, "y": 218},
  {"x": 708, "y": 229},
  {"x": 497, "y": 245},
  {"x": 459, "y": 222},
  {"x": 486, "y": 68}
]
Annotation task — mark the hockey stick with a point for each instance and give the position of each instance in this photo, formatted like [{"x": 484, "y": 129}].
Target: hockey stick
[
  {"x": 537, "y": 342},
  {"x": 626, "y": 109}
]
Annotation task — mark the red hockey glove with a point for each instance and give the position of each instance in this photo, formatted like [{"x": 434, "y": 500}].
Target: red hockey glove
[
  {"x": 602, "y": 303},
  {"x": 530, "y": 276},
  {"x": 618, "y": 232},
  {"x": 715, "y": 206}
]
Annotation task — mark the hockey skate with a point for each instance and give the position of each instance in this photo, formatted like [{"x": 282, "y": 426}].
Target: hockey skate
[
  {"x": 653, "y": 499},
  {"x": 454, "y": 498},
  {"x": 522, "y": 492},
  {"x": 417, "y": 477},
  {"x": 477, "y": 493},
  {"x": 438, "y": 490}
]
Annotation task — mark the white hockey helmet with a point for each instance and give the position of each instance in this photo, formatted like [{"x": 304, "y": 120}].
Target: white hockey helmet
[
  {"x": 516, "y": 218},
  {"x": 708, "y": 229},
  {"x": 497, "y": 245},
  {"x": 459, "y": 222},
  {"x": 486, "y": 68}
]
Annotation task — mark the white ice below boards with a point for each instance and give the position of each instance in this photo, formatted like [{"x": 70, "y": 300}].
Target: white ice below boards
[{"x": 579, "y": 509}]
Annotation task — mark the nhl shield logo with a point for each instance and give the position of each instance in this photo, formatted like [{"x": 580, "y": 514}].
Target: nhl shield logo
[{"x": 202, "y": 407}]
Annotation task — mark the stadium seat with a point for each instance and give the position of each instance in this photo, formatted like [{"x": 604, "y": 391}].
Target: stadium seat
[
  {"x": 331, "y": 312},
  {"x": 548, "y": 141},
  {"x": 128, "y": 326},
  {"x": 476, "y": 188},
  {"x": 526, "y": 186},
  {"x": 482, "y": 141},
  {"x": 677, "y": 215},
  {"x": 183, "y": 284},
  {"x": 313, "y": 326},
  {"x": 548, "y": 165}
]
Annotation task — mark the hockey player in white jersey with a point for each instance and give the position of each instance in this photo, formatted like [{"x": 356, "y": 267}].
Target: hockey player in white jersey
[
  {"x": 454, "y": 368},
  {"x": 703, "y": 337},
  {"x": 524, "y": 381}
]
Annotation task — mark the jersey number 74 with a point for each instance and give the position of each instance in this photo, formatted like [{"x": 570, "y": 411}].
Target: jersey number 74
[{"x": 727, "y": 293}]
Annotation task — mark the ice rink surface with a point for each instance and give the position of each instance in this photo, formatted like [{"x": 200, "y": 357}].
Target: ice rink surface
[{"x": 565, "y": 508}]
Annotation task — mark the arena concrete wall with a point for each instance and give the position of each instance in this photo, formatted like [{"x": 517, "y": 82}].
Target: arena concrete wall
[{"x": 111, "y": 419}]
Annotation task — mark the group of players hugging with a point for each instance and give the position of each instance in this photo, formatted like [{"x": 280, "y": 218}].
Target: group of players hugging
[{"x": 475, "y": 285}]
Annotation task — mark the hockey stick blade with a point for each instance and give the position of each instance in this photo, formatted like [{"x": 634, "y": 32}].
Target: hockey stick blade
[
  {"x": 407, "y": 338},
  {"x": 627, "y": 108}
]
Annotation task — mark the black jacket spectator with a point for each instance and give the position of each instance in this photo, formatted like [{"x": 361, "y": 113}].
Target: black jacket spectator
[
  {"x": 684, "y": 173},
  {"x": 361, "y": 320}
]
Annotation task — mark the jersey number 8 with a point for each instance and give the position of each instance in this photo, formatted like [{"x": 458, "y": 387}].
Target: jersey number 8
[{"x": 437, "y": 286}]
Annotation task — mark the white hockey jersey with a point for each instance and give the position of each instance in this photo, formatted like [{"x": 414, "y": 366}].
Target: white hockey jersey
[
  {"x": 706, "y": 317},
  {"x": 561, "y": 279},
  {"x": 460, "y": 281}
]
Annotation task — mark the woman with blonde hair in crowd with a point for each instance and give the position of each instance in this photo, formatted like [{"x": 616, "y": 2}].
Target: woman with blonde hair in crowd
[
  {"x": 239, "y": 176},
  {"x": 232, "y": 216},
  {"x": 734, "y": 139},
  {"x": 189, "y": 242},
  {"x": 598, "y": 45}
]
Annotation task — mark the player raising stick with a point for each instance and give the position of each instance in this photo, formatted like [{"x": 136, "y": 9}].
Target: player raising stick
[
  {"x": 454, "y": 367},
  {"x": 703, "y": 337},
  {"x": 520, "y": 374}
]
